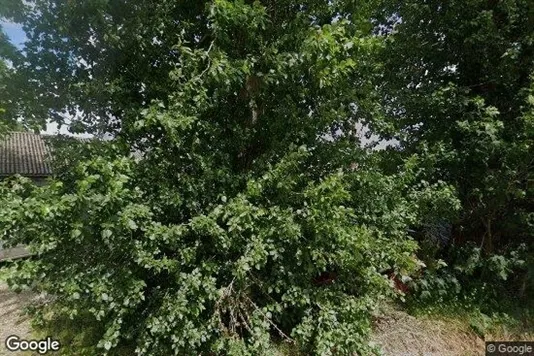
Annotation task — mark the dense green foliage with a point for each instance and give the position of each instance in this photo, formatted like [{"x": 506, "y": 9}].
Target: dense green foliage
[
  {"x": 252, "y": 265},
  {"x": 8, "y": 11},
  {"x": 235, "y": 208},
  {"x": 460, "y": 90}
]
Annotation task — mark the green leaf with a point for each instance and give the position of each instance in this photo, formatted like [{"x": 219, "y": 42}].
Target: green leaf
[{"x": 106, "y": 233}]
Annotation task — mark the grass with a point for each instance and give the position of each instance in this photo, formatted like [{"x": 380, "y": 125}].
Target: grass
[{"x": 516, "y": 323}]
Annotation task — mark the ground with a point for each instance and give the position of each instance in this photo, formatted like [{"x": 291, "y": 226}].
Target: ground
[
  {"x": 396, "y": 332},
  {"x": 399, "y": 333},
  {"x": 11, "y": 320}
]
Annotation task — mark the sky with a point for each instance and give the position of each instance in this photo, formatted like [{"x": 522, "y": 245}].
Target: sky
[
  {"x": 15, "y": 33},
  {"x": 18, "y": 37}
]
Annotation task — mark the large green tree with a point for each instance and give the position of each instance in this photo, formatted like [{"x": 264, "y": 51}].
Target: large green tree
[
  {"x": 9, "y": 11},
  {"x": 457, "y": 92},
  {"x": 457, "y": 89},
  {"x": 251, "y": 215}
]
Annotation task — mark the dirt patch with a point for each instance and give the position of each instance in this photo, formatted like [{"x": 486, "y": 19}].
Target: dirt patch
[
  {"x": 398, "y": 333},
  {"x": 12, "y": 321}
]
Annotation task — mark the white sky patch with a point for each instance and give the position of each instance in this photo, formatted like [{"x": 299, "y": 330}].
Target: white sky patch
[
  {"x": 10, "y": 26},
  {"x": 15, "y": 33},
  {"x": 53, "y": 129},
  {"x": 374, "y": 141},
  {"x": 450, "y": 68}
]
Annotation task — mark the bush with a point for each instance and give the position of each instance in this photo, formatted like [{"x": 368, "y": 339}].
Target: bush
[
  {"x": 472, "y": 280},
  {"x": 286, "y": 260}
]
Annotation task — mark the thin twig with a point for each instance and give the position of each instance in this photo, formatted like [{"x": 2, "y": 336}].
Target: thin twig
[
  {"x": 244, "y": 320},
  {"x": 209, "y": 61}
]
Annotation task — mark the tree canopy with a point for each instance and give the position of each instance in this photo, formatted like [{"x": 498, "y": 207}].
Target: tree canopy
[
  {"x": 252, "y": 214},
  {"x": 460, "y": 91},
  {"x": 8, "y": 11}
]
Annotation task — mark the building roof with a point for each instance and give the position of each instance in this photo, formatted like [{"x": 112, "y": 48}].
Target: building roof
[
  {"x": 24, "y": 153},
  {"x": 28, "y": 154}
]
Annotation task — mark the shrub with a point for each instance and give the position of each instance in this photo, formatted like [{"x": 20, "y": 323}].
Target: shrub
[{"x": 286, "y": 260}]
